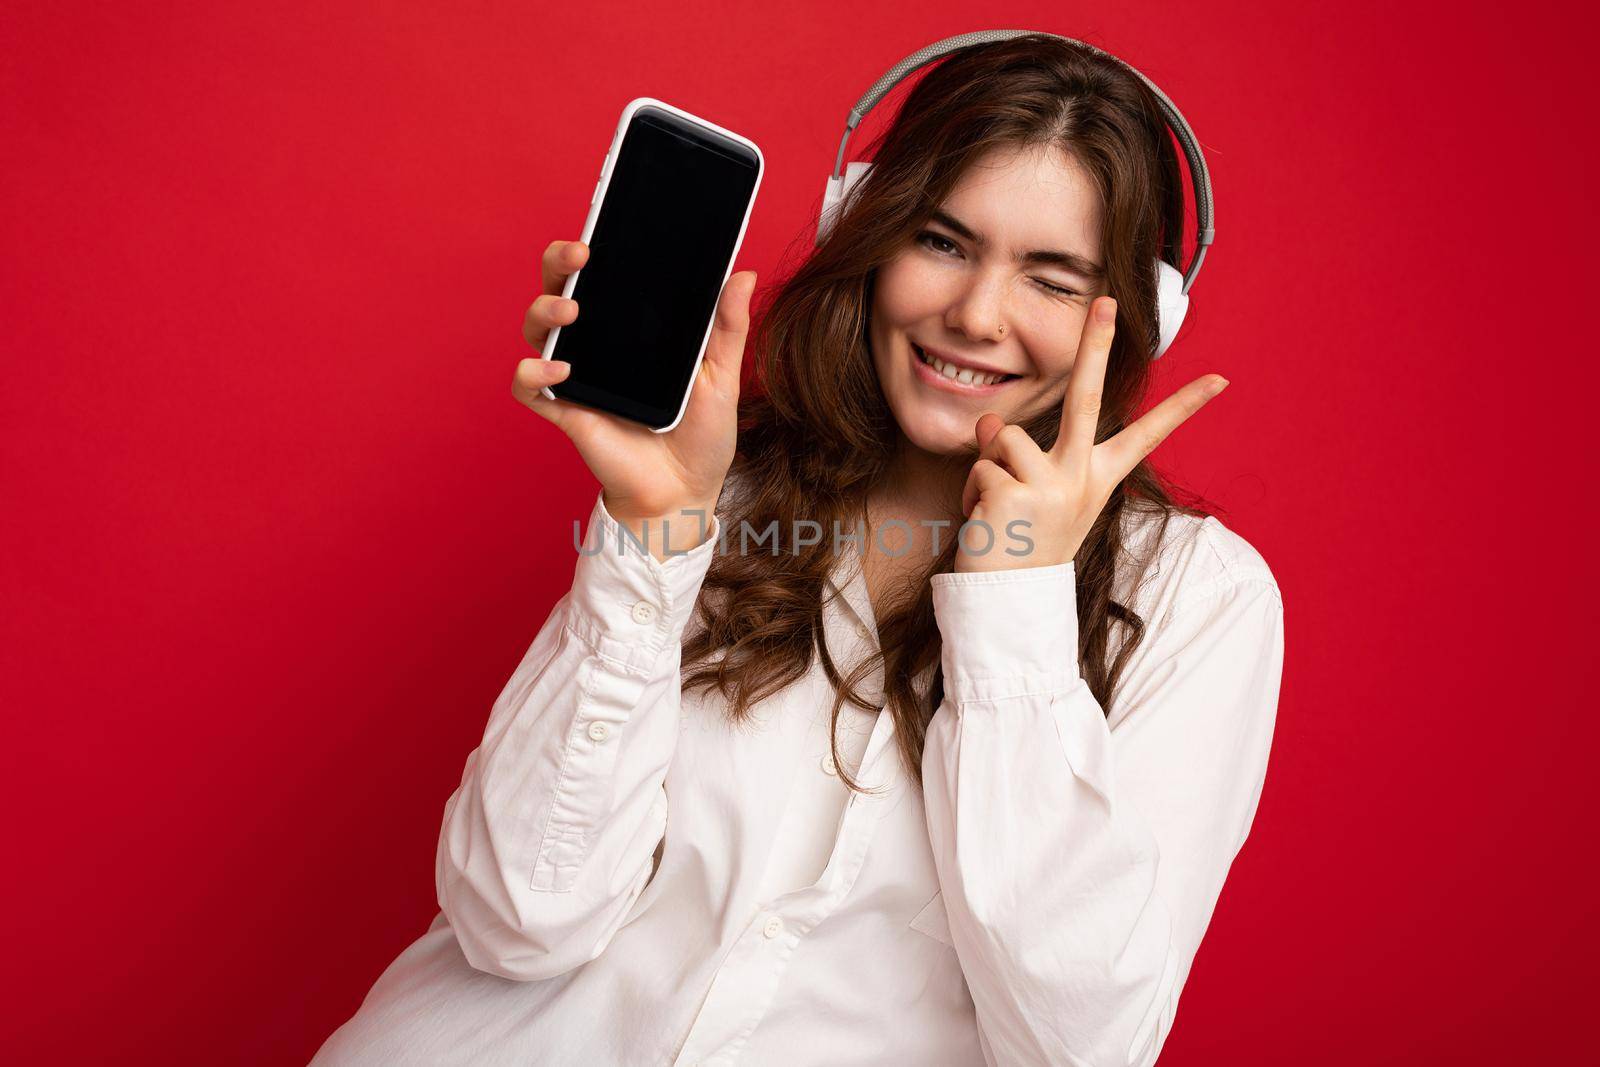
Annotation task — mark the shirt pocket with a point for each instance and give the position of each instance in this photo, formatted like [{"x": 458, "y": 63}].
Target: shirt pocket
[{"x": 933, "y": 921}]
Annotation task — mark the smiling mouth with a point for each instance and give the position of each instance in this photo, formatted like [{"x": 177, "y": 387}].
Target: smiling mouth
[{"x": 960, "y": 375}]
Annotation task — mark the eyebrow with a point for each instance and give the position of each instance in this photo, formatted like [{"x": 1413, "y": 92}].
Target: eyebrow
[{"x": 1069, "y": 261}]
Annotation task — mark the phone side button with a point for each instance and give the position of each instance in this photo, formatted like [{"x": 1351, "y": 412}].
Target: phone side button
[{"x": 596, "y": 194}]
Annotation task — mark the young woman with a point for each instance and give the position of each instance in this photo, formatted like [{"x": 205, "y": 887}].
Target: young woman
[{"x": 895, "y": 798}]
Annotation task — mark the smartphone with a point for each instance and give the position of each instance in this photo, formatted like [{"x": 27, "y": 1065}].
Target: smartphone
[{"x": 665, "y": 223}]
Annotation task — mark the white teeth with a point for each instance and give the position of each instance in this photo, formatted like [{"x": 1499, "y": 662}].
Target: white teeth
[{"x": 961, "y": 374}]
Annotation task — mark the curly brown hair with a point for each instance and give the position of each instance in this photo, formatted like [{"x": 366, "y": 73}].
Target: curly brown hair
[{"x": 816, "y": 433}]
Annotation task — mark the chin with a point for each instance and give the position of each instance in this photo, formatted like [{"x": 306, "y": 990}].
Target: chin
[{"x": 937, "y": 433}]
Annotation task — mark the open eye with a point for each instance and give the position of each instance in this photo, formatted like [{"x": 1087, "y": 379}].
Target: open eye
[{"x": 933, "y": 241}]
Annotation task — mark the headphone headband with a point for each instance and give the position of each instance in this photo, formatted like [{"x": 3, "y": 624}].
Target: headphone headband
[{"x": 1199, "y": 174}]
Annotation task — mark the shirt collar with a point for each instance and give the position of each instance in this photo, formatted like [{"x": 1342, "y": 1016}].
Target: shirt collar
[{"x": 848, "y": 581}]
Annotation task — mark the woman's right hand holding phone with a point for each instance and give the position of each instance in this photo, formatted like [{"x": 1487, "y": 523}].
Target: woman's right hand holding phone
[{"x": 648, "y": 478}]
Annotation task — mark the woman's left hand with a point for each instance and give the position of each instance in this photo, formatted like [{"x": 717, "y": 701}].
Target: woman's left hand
[{"x": 1057, "y": 495}]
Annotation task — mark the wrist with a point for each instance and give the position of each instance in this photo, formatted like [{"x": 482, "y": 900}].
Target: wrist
[{"x": 670, "y": 532}]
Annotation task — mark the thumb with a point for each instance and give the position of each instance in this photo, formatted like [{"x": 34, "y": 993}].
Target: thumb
[
  {"x": 725, "y": 349},
  {"x": 989, "y": 424}
]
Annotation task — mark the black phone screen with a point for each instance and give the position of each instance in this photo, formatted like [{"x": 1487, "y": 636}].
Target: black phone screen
[{"x": 661, "y": 248}]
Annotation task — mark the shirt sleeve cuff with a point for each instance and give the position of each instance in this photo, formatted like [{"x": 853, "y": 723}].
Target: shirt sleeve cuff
[
  {"x": 627, "y": 604},
  {"x": 1008, "y": 633}
]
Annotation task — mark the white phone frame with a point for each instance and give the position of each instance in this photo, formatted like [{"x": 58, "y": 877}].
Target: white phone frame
[{"x": 597, "y": 201}]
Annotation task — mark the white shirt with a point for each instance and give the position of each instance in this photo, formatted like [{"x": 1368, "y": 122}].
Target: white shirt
[{"x": 624, "y": 878}]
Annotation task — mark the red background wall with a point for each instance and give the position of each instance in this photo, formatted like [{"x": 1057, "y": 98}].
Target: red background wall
[{"x": 276, "y": 532}]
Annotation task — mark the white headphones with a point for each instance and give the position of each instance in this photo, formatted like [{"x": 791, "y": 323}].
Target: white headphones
[{"x": 1172, "y": 288}]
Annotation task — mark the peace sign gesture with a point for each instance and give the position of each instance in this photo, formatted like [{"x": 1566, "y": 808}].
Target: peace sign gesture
[{"x": 1060, "y": 493}]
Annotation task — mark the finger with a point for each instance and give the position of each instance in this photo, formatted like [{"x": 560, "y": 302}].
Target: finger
[
  {"x": 531, "y": 376},
  {"x": 983, "y": 431},
  {"x": 1125, "y": 451},
  {"x": 986, "y": 427},
  {"x": 985, "y": 477},
  {"x": 1080, "y": 408},
  {"x": 1010, "y": 446},
  {"x": 560, "y": 259},
  {"x": 725, "y": 349},
  {"x": 545, "y": 313}
]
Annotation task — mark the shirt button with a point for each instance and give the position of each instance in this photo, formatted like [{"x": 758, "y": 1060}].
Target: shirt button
[
  {"x": 644, "y": 613},
  {"x": 828, "y": 766},
  {"x": 774, "y": 927},
  {"x": 599, "y": 731}
]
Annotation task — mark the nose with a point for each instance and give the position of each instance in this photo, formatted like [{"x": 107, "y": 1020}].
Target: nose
[{"x": 980, "y": 311}]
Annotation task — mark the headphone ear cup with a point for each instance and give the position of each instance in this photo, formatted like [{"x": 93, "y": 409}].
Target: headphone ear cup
[
  {"x": 834, "y": 195},
  {"x": 1172, "y": 304}
]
